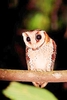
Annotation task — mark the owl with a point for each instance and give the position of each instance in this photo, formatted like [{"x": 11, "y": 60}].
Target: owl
[{"x": 40, "y": 52}]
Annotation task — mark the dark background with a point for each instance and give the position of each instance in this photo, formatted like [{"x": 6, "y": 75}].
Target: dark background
[{"x": 11, "y": 44}]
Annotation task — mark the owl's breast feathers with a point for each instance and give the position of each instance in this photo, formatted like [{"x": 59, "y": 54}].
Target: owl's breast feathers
[{"x": 43, "y": 58}]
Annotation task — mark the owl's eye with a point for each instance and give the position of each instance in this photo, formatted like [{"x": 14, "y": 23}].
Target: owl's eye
[
  {"x": 28, "y": 39},
  {"x": 38, "y": 37}
]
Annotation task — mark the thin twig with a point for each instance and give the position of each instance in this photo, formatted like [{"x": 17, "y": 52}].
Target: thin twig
[{"x": 36, "y": 76}]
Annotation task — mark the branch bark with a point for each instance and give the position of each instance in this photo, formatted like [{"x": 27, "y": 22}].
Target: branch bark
[{"x": 30, "y": 76}]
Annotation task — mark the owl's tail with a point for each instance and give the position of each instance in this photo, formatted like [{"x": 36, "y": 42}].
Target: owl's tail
[{"x": 40, "y": 84}]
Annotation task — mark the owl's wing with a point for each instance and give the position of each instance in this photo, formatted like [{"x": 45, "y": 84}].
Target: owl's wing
[
  {"x": 54, "y": 54},
  {"x": 27, "y": 59}
]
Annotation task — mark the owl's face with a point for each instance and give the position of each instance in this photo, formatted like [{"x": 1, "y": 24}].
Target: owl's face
[{"x": 34, "y": 39}]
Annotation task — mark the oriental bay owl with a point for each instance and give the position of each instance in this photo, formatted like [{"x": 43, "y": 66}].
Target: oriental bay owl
[{"x": 40, "y": 52}]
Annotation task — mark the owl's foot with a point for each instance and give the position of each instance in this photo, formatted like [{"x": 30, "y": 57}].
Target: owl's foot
[{"x": 40, "y": 84}]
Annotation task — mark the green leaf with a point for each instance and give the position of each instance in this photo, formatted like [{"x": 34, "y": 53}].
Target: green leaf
[
  {"x": 18, "y": 91},
  {"x": 37, "y": 21}
]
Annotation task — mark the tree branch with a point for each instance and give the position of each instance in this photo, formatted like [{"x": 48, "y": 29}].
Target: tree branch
[{"x": 29, "y": 76}]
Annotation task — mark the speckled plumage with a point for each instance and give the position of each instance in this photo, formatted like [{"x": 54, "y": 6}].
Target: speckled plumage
[{"x": 40, "y": 52}]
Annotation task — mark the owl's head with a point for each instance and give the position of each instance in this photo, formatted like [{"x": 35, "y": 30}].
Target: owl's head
[{"x": 35, "y": 39}]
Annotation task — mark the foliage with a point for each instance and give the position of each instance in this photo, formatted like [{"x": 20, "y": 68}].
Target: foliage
[
  {"x": 39, "y": 16},
  {"x": 45, "y": 15},
  {"x": 37, "y": 21},
  {"x": 18, "y": 91}
]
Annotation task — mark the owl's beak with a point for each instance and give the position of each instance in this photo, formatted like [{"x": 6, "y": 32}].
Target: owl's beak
[{"x": 33, "y": 49}]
